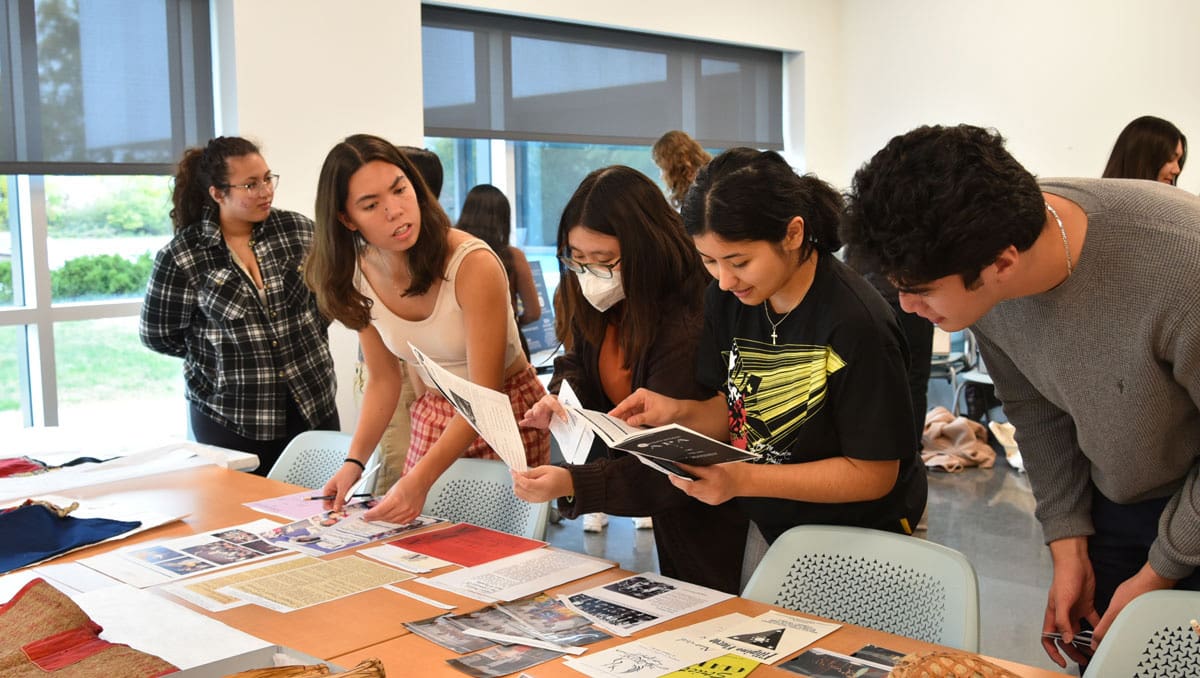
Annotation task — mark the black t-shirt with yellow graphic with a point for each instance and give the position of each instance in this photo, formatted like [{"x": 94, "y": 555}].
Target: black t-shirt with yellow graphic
[{"x": 833, "y": 384}]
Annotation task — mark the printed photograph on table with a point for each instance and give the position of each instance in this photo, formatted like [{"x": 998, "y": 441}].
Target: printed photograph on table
[
  {"x": 544, "y": 614},
  {"x": 502, "y": 660},
  {"x": 334, "y": 531},
  {"x": 642, "y": 600},
  {"x": 442, "y": 631},
  {"x": 818, "y": 663},
  {"x": 202, "y": 552}
]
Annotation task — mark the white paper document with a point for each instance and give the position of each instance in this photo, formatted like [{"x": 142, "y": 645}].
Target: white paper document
[
  {"x": 660, "y": 653},
  {"x": 417, "y": 563},
  {"x": 489, "y": 412},
  {"x": 521, "y": 575},
  {"x": 154, "y": 624},
  {"x": 771, "y": 636},
  {"x": 574, "y": 436},
  {"x": 137, "y": 465},
  {"x": 629, "y": 605}
]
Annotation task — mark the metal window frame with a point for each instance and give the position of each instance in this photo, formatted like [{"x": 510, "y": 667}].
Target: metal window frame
[{"x": 189, "y": 42}]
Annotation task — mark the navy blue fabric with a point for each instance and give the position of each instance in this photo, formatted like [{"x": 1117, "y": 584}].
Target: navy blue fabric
[{"x": 31, "y": 534}]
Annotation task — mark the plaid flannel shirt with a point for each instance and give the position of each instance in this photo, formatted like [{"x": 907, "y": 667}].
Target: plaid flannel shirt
[{"x": 241, "y": 360}]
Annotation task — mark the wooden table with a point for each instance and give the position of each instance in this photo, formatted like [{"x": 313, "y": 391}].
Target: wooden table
[{"x": 370, "y": 624}]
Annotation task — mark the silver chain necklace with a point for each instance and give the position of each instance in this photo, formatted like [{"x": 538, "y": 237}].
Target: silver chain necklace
[
  {"x": 775, "y": 325},
  {"x": 1063, "y": 232}
]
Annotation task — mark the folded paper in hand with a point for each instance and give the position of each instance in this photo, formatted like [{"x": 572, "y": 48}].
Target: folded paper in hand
[{"x": 489, "y": 412}]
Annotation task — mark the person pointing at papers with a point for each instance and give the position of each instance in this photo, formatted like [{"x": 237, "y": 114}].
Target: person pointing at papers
[
  {"x": 803, "y": 360},
  {"x": 386, "y": 263}
]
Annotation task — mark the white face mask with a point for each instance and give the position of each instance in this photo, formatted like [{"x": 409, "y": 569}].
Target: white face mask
[{"x": 602, "y": 293}]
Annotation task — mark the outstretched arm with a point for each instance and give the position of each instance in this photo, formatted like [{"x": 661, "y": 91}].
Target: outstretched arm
[{"x": 482, "y": 292}]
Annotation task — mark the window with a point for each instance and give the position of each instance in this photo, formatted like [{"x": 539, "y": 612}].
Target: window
[
  {"x": 99, "y": 100},
  {"x": 559, "y": 100},
  {"x": 504, "y": 77}
]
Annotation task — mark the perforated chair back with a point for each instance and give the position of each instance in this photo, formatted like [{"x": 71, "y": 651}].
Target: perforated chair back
[
  {"x": 1151, "y": 638},
  {"x": 312, "y": 458},
  {"x": 884, "y": 581},
  {"x": 479, "y": 491}
]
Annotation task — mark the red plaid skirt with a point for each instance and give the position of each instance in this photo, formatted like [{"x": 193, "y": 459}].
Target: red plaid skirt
[{"x": 432, "y": 413}]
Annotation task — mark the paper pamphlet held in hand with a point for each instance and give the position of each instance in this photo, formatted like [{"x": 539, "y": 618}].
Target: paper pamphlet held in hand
[
  {"x": 661, "y": 448},
  {"x": 489, "y": 412}
]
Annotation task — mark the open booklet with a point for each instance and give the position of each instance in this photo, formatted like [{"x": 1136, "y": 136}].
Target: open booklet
[{"x": 662, "y": 447}]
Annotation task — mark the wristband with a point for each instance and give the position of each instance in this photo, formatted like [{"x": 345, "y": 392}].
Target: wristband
[{"x": 360, "y": 465}]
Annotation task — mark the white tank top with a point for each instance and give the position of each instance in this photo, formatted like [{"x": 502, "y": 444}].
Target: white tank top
[{"x": 442, "y": 336}]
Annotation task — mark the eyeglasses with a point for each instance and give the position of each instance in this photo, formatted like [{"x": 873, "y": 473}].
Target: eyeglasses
[
  {"x": 598, "y": 270},
  {"x": 256, "y": 187}
]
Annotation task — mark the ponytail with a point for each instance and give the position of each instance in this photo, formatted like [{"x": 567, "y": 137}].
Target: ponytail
[{"x": 200, "y": 169}]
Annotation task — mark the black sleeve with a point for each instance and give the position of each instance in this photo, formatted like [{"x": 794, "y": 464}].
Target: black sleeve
[
  {"x": 873, "y": 407},
  {"x": 712, "y": 358}
]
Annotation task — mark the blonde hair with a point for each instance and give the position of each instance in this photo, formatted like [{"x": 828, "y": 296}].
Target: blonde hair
[{"x": 680, "y": 157}]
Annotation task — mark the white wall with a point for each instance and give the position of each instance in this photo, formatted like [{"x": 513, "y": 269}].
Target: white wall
[
  {"x": 308, "y": 74},
  {"x": 1059, "y": 79}
]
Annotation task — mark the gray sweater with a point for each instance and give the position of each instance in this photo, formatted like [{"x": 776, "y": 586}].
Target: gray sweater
[{"x": 1101, "y": 375}]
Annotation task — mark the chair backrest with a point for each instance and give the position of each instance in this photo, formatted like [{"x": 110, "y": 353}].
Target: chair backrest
[
  {"x": 1152, "y": 636},
  {"x": 884, "y": 581},
  {"x": 479, "y": 491},
  {"x": 312, "y": 458}
]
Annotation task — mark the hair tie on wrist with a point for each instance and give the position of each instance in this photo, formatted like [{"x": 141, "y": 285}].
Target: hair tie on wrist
[{"x": 361, "y": 465}]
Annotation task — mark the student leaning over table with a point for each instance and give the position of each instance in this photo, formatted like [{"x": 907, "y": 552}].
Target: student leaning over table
[
  {"x": 630, "y": 317},
  {"x": 227, "y": 295},
  {"x": 386, "y": 263},
  {"x": 1082, "y": 293},
  {"x": 803, "y": 357}
]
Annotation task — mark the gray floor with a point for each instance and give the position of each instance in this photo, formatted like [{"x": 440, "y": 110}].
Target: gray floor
[{"x": 985, "y": 514}]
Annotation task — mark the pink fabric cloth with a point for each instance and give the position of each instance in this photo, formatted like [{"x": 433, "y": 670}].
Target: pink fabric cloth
[{"x": 951, "y": 443}]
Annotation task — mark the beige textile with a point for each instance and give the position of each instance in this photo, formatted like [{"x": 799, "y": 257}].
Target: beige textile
[{"x": 951, "y": 443}]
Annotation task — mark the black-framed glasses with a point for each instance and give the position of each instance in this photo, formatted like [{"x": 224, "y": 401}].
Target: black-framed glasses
[
  {"x": 256, "y": 187},
  {"x": 598, "y": 270}
]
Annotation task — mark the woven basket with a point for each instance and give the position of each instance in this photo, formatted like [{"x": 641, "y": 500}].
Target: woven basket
[
  {"x": 367, "y": 668},
  {"x": 947, "y": 664}
]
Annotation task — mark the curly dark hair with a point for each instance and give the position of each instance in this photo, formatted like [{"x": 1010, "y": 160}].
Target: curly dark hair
[
  {"x": 941, "y": 201},
  {"x": 747, "y": 194},
  {"x": 200, "y": 169}
]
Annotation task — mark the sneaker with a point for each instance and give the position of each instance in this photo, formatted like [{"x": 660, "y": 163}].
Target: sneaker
[
  {"x": 643, "y": 523},
  {"x": 594, "y": 522}
]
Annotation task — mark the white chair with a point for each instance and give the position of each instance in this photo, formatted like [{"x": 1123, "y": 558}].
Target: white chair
[
  {"x": 479, "y": 491},
  {"x": 312, "y": 458},
  {"x": 884, "y": 581},
  {"x": 1151, "y": 637}
]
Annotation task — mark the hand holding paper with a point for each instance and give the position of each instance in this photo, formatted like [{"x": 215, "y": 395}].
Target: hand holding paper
[{"x": 488, "y": 412}]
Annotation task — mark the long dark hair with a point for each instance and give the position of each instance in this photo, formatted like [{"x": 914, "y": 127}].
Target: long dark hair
[
  {"x": 659, "y": 264},
  {"x": 1143, "y": 147},
  {"x": 200, "y": 169},
  {"x": 745, "y": 194},
  {"x": 487, "y": 215},
  {"x": 331, "y": 264}
]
